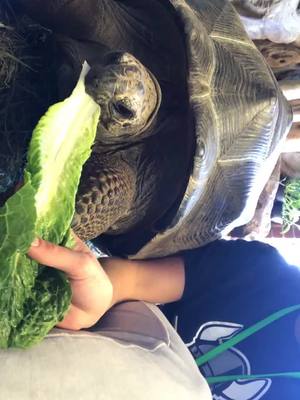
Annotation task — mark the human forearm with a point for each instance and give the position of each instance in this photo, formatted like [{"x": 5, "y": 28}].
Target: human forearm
[
  {"x": 155, "y": 281},
  {"x": 96, "y": 289}
]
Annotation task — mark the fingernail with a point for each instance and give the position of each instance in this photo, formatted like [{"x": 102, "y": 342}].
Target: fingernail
[{"x": 35, "y": 243}]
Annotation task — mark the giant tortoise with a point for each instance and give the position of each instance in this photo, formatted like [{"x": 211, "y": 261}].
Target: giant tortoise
[{"x": 192, "y": 119}]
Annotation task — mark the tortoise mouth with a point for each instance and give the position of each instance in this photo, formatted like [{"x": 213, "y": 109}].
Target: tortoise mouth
[{"x": 121, "y": 111}]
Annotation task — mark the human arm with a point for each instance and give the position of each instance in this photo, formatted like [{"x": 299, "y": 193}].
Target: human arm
[
  {"x": 249, "y": 265},
  {"x": 154, "y": 281},
  {"x": 96, "y": 289}
]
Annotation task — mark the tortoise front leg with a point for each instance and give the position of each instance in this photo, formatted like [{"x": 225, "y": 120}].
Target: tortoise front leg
[{"x": 105, "y": 195}]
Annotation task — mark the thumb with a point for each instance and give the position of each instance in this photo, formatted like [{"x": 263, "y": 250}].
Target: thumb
[{"x": 59, "y": 257}]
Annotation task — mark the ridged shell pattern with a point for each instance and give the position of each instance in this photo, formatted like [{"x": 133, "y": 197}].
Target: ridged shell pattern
[{"x": 241, "y": 120}]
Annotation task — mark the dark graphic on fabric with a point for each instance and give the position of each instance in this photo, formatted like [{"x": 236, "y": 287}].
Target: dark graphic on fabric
[{"x": 231, "y": 362}]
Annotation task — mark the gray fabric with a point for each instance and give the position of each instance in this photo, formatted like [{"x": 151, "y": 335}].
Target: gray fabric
[
  {"x": 90, "y": 365},
  {"x": 133, "y": 322}
]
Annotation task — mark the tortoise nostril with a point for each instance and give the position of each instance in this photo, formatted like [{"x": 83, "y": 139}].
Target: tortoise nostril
[{"x": 122, "y": 110}]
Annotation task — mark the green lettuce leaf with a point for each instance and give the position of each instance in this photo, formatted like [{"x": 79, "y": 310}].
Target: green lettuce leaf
[{"x": 34, "y": 298}]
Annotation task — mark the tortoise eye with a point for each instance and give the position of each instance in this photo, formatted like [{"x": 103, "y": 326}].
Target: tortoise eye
[{"x": 122, "y": 110}]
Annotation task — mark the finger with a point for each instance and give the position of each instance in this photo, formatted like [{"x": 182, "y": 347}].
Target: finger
[
  {"x": 74, "y": 263},
  {"x": 71, "y": 320},
  {"x": 77, "y": 319},
  {"x": 79, "y": 244}
]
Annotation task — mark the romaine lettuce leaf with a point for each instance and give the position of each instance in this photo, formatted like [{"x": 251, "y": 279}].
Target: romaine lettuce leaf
[{"x": 34, "y": 298}]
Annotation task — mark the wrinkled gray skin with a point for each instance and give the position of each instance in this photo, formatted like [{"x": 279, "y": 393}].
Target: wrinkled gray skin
[{"x": 128, "y": 94}]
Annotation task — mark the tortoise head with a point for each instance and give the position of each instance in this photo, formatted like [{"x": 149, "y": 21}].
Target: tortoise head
[{"x": 129, "y": 96}]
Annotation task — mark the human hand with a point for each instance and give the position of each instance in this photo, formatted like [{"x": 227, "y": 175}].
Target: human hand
[{"x": 92, "y": 291}]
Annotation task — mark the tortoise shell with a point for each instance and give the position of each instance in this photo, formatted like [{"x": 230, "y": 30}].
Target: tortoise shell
[{"x": 241, "y": 121}]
